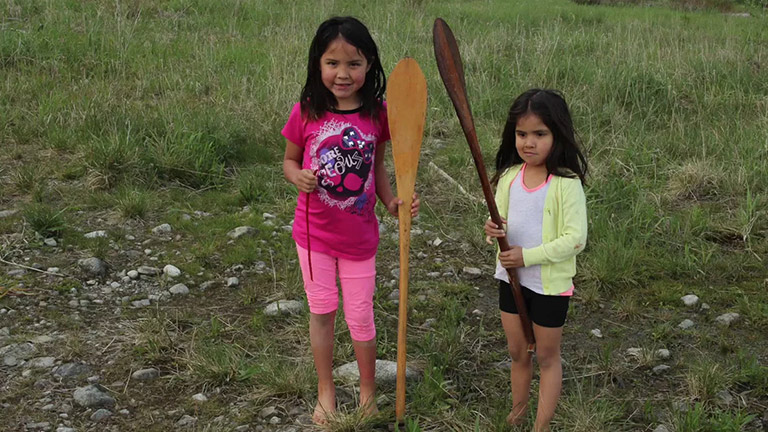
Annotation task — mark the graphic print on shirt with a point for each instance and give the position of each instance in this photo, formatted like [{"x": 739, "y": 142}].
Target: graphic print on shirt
[{"x": 343, "y": 158}]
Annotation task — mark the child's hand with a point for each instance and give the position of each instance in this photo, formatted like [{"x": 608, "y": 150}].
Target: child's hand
[
  {"x": 392, "y": 206},
  {"x": 306, "y": 181},
  {"x": 513, "y": 258},
  {"x": 492, "y": 230}
]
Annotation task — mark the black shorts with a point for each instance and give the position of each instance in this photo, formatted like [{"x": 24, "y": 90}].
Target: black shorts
[{"x": 544, "y": 310}]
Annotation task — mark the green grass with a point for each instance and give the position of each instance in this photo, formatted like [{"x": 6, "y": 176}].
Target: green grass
[{"x": 125, "y": 115}]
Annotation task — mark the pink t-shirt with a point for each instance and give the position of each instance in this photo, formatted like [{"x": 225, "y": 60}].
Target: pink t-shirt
[{"x": 341, "y": 147}]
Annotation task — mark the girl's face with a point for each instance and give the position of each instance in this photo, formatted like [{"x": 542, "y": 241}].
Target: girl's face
[
  {"x": 343, "y": 68},
  {"x": 533, "y": 140}
]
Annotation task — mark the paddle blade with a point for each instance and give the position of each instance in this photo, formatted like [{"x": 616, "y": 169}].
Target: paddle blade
[
  {"x": 407, "y": 111},
  {"x": 451, "y": 69}
]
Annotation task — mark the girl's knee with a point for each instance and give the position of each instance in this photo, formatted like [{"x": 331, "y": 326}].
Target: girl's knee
[
  {"x": 547, "y": 356},
  {"x": 361, "y": 325},
  {"x": 519, "y": 354}
]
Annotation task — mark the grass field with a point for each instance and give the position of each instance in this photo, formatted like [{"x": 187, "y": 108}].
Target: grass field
[{"x": 121, "y": 115}]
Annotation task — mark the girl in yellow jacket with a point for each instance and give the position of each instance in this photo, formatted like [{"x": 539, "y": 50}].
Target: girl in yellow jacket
[{"x": 540, "y": 172}]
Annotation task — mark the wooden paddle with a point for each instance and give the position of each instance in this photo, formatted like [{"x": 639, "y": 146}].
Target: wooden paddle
[
  {"x": 407, "y": 111},
  {"x": 452, "y": 73}
]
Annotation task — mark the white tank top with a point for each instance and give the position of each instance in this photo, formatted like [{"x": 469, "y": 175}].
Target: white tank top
[{"x": 524, "y": 219}]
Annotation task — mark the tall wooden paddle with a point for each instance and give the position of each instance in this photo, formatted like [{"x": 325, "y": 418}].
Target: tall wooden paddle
[
  {"x": 452, "y": 74},
  {"x": 407, "y": 111}
]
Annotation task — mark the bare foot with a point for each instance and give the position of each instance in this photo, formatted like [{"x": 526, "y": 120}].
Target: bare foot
[
  {"x": 516, "y": 416},
  {"x": 368, "y": 403},
  {"x": 326, "y": 405}
]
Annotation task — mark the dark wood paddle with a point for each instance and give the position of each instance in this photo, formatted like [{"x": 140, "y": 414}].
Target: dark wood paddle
[
  {"x": 452, "y": 73},
  {"x": 407, "y": 111}
]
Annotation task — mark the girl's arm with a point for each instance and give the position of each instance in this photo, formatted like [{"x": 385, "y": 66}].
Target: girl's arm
[
  {"x": 384, "y": 188},
  {"x": 304, "y": 179},
  {"x": 574, "y": 236}
]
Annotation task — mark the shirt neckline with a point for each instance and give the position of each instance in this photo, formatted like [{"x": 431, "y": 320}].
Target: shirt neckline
[
  {"x": 526, "y": 188},
  {"x": 352, "y": 111}
]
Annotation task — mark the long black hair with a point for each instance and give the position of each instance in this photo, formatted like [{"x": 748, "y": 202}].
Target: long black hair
[
  {"x": 565, "y": 159},
  {"x": 316, "y": 99}
]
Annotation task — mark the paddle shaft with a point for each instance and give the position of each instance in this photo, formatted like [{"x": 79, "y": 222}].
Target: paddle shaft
[{"x": 452, "y": 73}]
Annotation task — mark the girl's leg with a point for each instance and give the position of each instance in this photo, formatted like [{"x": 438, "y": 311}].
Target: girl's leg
[
  {"x": 522, "y": 366},
  {"x": 323, "y": 299},
  {"x": 321, "y": 338},
  {"x": 551, "y": 371},
  {"x": 358, "y": 282}
]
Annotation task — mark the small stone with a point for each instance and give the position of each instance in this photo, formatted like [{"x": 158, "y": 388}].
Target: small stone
[
  {"x": 91, "y": 396},
  {"x": 101, "y": 414},
  {"x": 171, "y": 271},
  {"x": 162, "y": 229},
  {"x": 206, "y": 285},
  {"x": 596, "y": 333},
  {"x": 124, "y": 412},
  {"x": 40, "y": 363},
  {"x": 93, "y": 266},
  {"x": 477, "y": 312},
  {"x": 268, "y": 411},
  {"x": 199, "y": 398},
  {"x": 727, "y": 319},
  {"x": 53, "y": 270},
  {"x": 186, "y": 421},
  {"x": 17, "y": 272},
  {"x": 133, "y": 274},
  {"x": 42, "y": 426},
  {"x": 690, "y": 300},
  {"x": 660, "y": 369},
  {"x": 433, "y": 274},
  {"x": 145, "y": 374},
  {"x": 663, "y": 354},
  {"x": 634, "y": 352},
  {"x": 474, "y": 271},
  {"x": 274, "y": 420},
  {"x": 130, "y": 237},
  {"x": 50, "y": 242},
  {"x": 141, "y": 303},
  {"x": 233, "y": 282},
  {"x": 394, "y": 295},
  {"x": 661, "y": 428},
  {"x": 148, "y": 271},
  {"x": 724, "y": 397},
  {"x": 70, "y": 370},
  {"x": 49, "y": 407},
  {"x": 179, "y": 289},
  {"x": 93, "y": 379},
  {"x": 686, "y": 324},
  {"x": 96, "y": 234},
  {"x": 268, "y": 216},
  {"x": 241, "y": 231},
  {"x": 437, "y": 242},
  {"x": 429, "y": 322},
  {"x": 242, "y": 428},
  {"x": 284, "y": 307},
  {"x": 386, "y": 372},
  {"x": 7, "y": 213},
  {"x": 64, "y": 429},
  {"x": 705, "y": 306}
]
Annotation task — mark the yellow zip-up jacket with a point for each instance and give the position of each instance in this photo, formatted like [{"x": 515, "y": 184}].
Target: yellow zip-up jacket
[{"x": 563, "y": 229}]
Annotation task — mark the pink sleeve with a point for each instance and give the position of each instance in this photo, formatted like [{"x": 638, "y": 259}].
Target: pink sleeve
[
  {"x": 384, "y": 122},
  {"x": 293, "y": 130}
]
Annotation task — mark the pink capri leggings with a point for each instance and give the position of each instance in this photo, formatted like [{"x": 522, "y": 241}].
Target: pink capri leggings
[{"x": 358, "y": 281}]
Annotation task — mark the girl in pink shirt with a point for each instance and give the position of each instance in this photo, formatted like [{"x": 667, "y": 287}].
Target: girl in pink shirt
[{"x": 334, "y": 154}]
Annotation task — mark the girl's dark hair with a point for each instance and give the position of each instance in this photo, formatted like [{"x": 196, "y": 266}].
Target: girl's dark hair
[
  {"x": 565, "y": 159},
  {"x": 316, "y": 99}
]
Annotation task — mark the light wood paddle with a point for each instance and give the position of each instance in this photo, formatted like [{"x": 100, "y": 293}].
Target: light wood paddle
[
  {"x": 452, "y": 73},
  {"x": 407, "y": 111}
]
